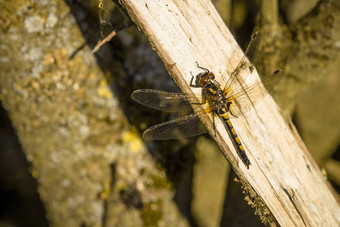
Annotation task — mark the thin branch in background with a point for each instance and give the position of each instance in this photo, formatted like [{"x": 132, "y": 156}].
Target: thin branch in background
[{"x": 110, "y": 36}]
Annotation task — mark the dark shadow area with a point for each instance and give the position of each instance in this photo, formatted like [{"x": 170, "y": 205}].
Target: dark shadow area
[
  {"x": 20, "y": 204},
  {"x": 237, "y": 212},
  {"x": 178, "y": 160},
  {"x": 336, "y": 156},
  {"x": 242, "y": 32}
]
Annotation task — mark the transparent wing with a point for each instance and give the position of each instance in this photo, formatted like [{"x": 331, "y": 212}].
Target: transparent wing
[
  {"x": 246, "y": 98},
  {"x": 161, "y": 100},
  {"x": 253, "y": 46},
  {"x": 243, "y": 96},
  {"x": 249, "y": 54},
  {"x": 183, "y": 127}
]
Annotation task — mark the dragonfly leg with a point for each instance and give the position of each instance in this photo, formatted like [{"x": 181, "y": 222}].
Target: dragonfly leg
[
  {"x": 205, "y": 69},
  {"x": 191, "y": 84},
  {"x": 232, "y": 113}
]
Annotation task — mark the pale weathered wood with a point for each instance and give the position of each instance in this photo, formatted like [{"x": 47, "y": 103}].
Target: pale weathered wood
[{"x": 283, "y": 176}]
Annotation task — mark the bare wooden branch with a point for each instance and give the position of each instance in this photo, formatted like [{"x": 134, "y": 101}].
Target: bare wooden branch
[{"x": 282, "y": 174}]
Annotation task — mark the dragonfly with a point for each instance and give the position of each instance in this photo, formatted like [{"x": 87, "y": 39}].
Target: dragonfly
[{"x": 235, "y": 99}]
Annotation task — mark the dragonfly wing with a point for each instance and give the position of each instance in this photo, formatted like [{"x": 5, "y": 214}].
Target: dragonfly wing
[
  {"x": 253, "y": 46},
  {"x": 162, "y": 100},
  {"x": 183, "y": 127},
  {"x": 249, "y": 54},
  {"x": 246, "y": 98}
]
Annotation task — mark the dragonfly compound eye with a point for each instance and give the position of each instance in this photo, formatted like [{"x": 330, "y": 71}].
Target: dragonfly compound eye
[
  {"x": 211, "y": 75},
  {"x": 203, "y": 78}
]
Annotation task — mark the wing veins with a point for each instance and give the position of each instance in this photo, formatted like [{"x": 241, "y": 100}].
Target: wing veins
[
  {"x": 183, "y": 127},
  {"x": 162, "y": 100},
  {"x": 249, "y": 54}
]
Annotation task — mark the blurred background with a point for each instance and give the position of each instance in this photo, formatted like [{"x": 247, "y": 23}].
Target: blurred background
[{"x": 186, "y": 182}]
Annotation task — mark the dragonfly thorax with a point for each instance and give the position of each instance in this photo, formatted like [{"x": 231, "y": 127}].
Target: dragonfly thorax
[{"x": 215, "y": 97}]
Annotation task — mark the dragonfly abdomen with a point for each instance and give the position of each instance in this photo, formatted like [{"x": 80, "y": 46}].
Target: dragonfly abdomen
[{"x": 223, "y": 114}]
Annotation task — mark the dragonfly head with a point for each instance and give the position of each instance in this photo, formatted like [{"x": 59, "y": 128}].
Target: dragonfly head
[{"x": 203, "y": 78}]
